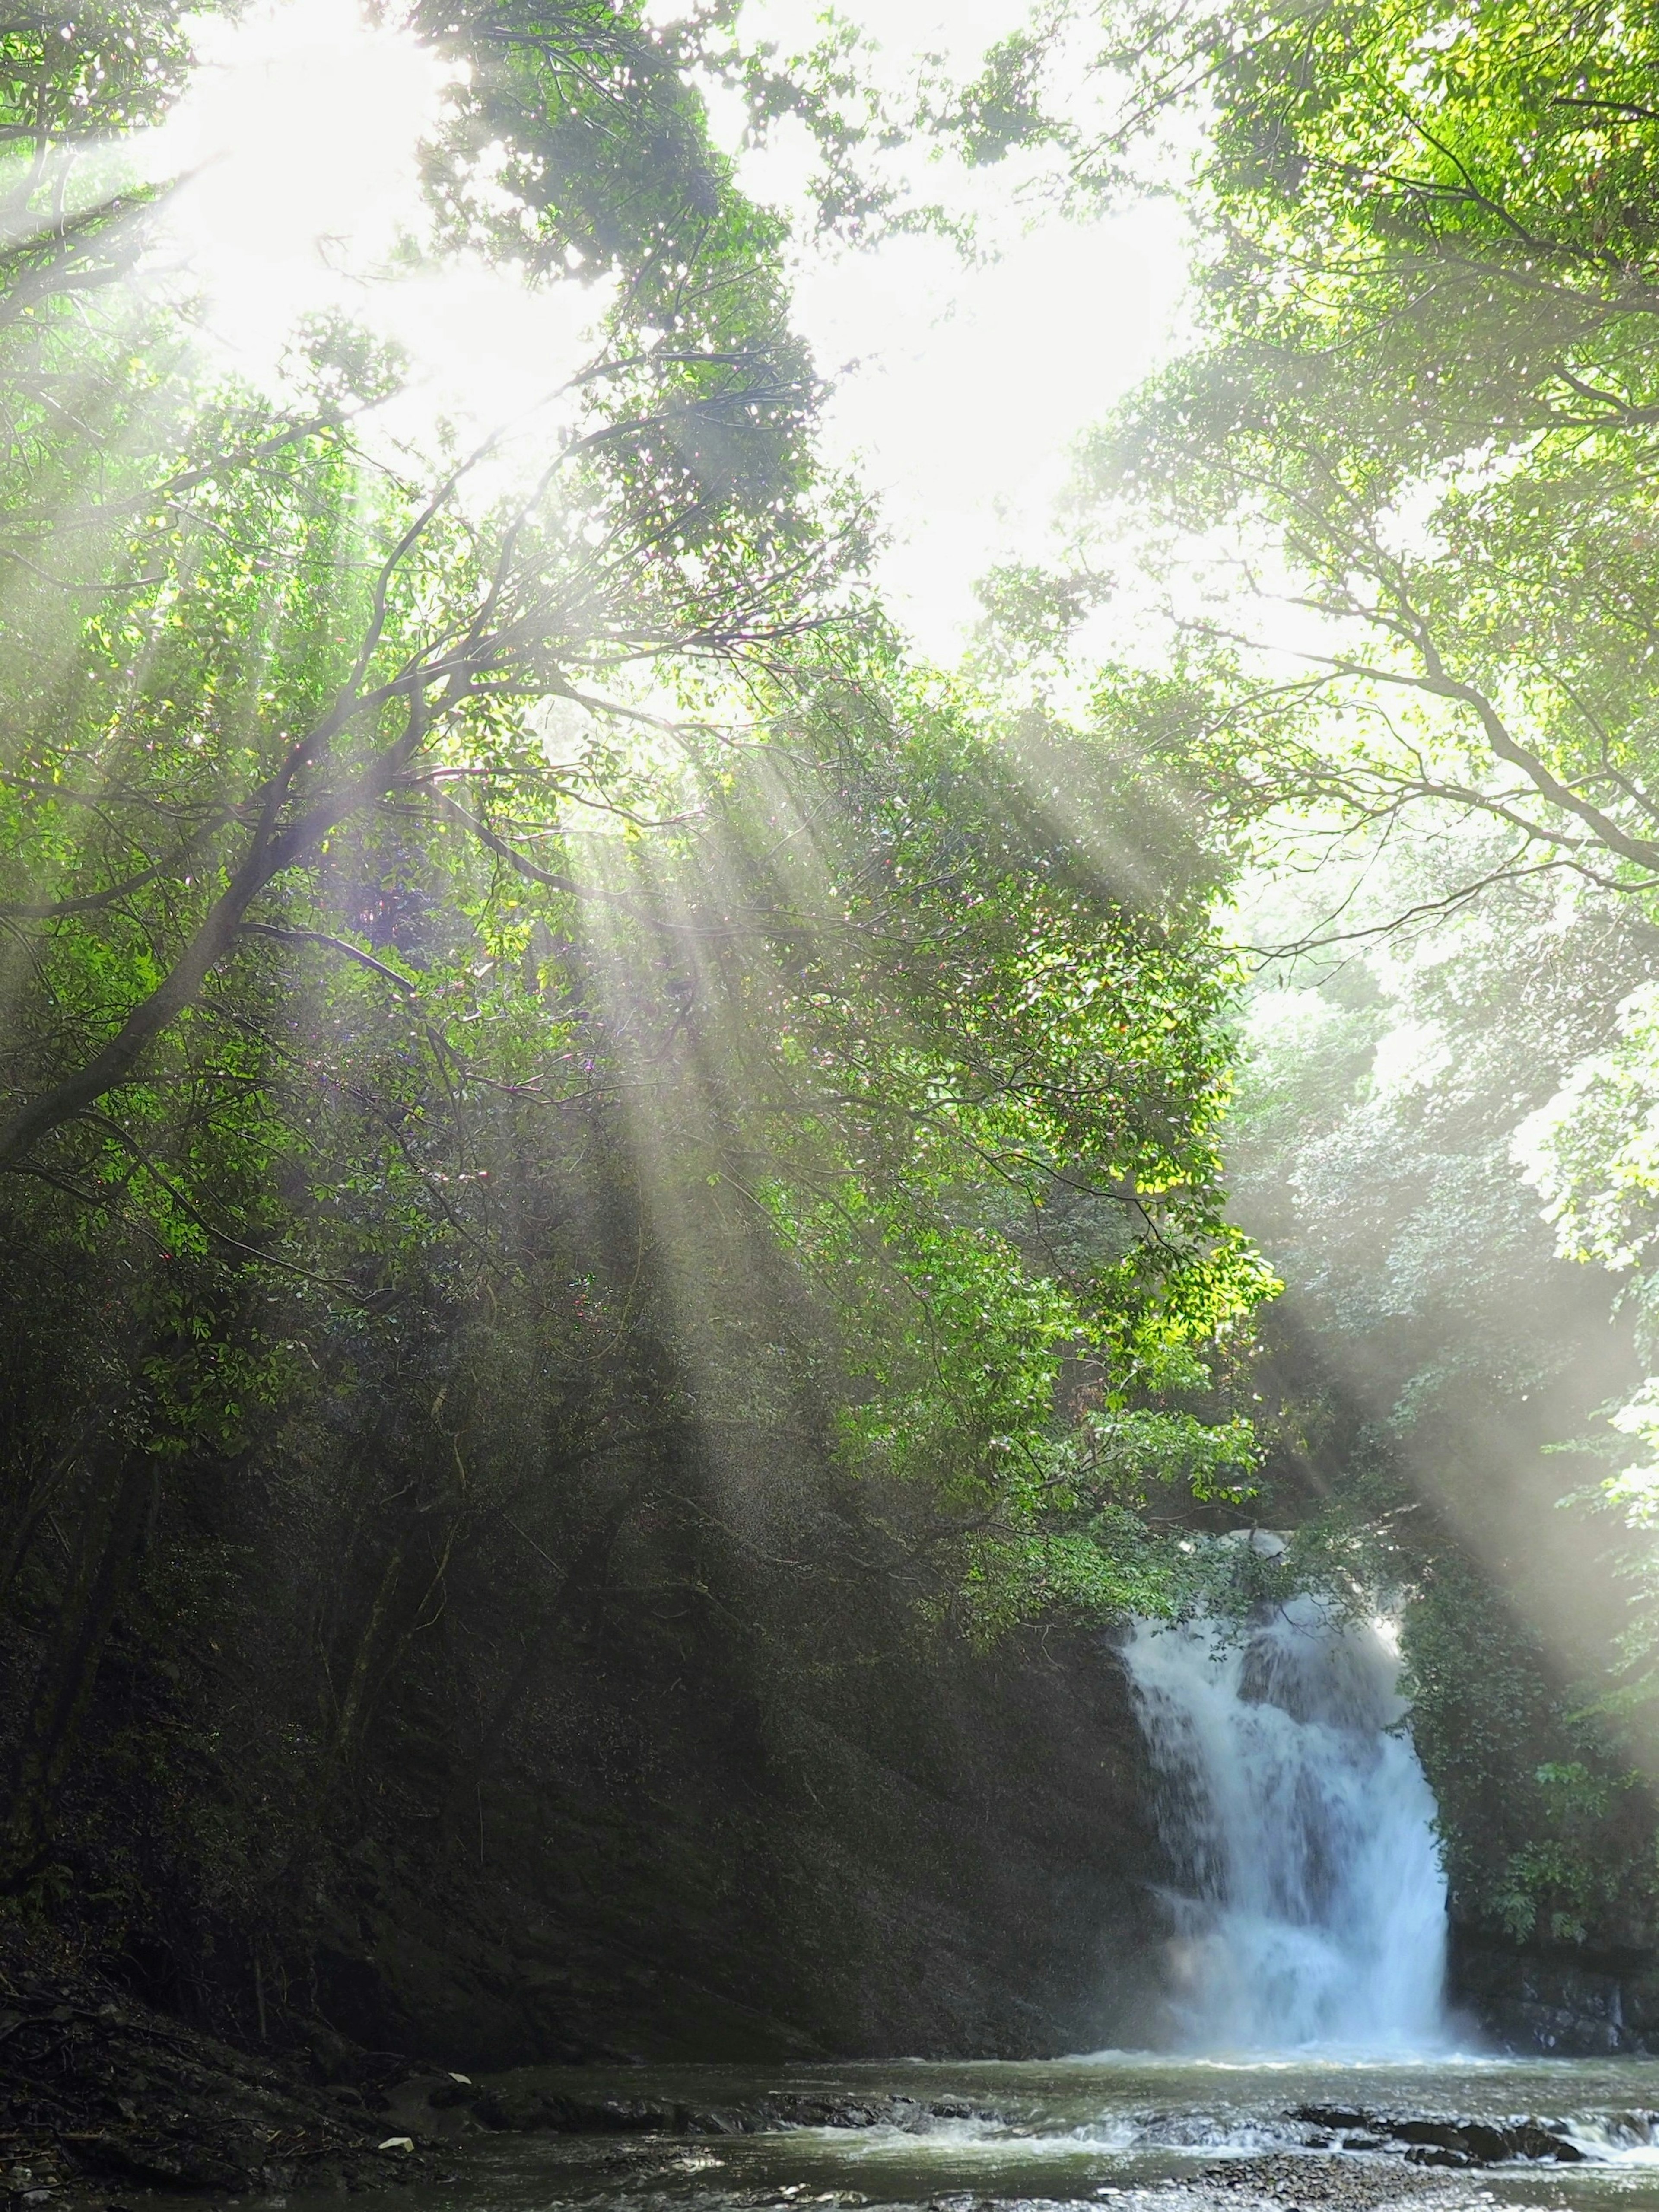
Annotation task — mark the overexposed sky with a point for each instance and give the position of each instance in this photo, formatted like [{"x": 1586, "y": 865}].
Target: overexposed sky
[
  {"x": 970, "y": 383},
  {"x": 957, "y": 389}
]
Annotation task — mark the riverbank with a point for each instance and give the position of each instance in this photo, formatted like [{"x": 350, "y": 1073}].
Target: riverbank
[
  {"x": 957, "y": 2137},
  {"x": 101, "y": 2097},
  {"x": 106, "y": 2101}
]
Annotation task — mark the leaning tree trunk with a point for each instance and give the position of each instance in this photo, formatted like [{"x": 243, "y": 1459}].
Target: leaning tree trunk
[
  {"x": 106, "y": 1553},
  {"x": 576, "y": 1584}
]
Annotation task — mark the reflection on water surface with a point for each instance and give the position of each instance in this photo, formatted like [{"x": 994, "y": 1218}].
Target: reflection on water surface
[{"x": 1071, "y": 2131}]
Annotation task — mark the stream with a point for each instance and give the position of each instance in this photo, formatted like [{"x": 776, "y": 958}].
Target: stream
[
  {"x": 1312, "y": 2057},
  {"x": 1084, "y": 2130}
]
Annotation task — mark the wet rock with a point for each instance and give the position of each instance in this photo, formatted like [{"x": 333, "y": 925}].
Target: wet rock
[
  {"x": 1448, "y": 2141},
  {"x": 163, "y": 2162},
  {"x": 526, "y": 2107},
  {"x": 1568, "y": 2003}
]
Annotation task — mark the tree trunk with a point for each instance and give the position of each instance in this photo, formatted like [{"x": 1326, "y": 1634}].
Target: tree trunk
[
  {"x": 353, "y": 1704},
  {"x": 576, "y": 1584},
  {"x": 107, "y": 1552}
]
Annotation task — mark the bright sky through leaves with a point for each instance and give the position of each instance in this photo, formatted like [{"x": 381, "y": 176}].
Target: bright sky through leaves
[
  {"x": 300, "y": 137},
  {"x": 958, "y": 389}
]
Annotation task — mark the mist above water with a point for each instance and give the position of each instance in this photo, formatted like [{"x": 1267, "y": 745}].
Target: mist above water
[{"x": 1311, "y": 1907}]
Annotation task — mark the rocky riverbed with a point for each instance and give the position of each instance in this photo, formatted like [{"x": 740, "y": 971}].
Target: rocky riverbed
[
  {"x": 104, "y": 2100},
  {"x": 100, "y": 2097}
]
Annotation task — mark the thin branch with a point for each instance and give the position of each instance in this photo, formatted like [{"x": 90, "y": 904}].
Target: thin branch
[{"x": 286, "y": 936}]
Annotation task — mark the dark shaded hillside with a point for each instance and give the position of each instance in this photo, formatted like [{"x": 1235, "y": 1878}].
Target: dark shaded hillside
[
  {"x": 947, "y": 1862},
  {"x": 760, "y": 1814}
]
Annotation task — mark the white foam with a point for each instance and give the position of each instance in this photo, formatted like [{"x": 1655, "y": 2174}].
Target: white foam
[{"x": 1312, "y": 1912}]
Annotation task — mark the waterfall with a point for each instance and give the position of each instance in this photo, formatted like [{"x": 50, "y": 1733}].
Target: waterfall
[{"x": 1312, "y": 1905}]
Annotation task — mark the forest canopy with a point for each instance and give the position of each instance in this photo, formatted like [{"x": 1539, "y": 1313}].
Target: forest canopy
[
  {"x": 523, "y": 999},
  {"x": 570, "y": 1092}
]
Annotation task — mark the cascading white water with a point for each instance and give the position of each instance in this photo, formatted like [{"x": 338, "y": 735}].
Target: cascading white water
[{"x": 1312, "y": 1910}]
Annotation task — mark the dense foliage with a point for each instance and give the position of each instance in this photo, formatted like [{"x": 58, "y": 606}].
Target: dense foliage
[
  {"x": 1394, "y": 501},
  {"x": 542, "y": 1058}
]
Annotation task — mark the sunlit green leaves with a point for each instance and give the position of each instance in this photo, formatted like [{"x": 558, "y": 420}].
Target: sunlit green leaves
[{"x": 385, "y": 858}]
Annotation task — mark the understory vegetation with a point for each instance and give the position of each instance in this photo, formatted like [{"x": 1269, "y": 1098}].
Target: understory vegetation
[
  {"x": 1399, "y": 493},
  {"x": 537, "y": 1045},
  {"x": 594, "y": 1156}
]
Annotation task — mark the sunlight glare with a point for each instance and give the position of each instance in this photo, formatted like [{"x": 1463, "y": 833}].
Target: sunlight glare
[
  {"x": 299, "y": 134},
  {"x": 300, "y": 138},
  {"x": 958, "y": 388}
]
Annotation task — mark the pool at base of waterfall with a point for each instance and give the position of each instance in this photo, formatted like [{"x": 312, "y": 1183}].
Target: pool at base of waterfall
[{"x": 1143, "y": 2133}]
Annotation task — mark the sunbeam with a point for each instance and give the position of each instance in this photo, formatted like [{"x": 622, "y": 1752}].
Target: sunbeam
[{"x": 828, "y": 1086}]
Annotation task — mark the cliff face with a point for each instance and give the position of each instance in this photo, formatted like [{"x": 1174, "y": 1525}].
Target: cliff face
[
  {"x": 1562, "y": 2001},
  {"x": 683, "y": 1774},
  {"x": 953, "y": 1860}
]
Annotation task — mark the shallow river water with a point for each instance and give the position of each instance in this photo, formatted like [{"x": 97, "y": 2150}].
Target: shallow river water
[
  {"x": 1308, "y": 1912},
  {"x": 1074, "y": 2132}
]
